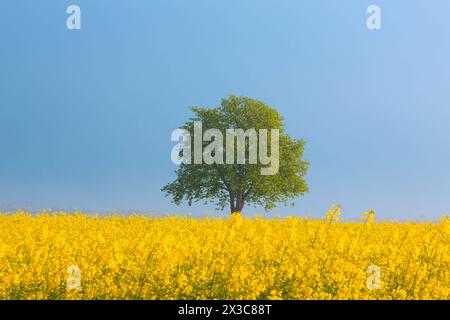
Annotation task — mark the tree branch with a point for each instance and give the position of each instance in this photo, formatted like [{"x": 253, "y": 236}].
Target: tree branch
[{"x": 223, "y": 179}]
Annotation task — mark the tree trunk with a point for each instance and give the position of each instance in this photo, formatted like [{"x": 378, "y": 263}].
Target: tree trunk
[
  {"x": 240, "y": 202},
  {"x": 232, "y": 205},
  {"x": 236, "y": 202}
]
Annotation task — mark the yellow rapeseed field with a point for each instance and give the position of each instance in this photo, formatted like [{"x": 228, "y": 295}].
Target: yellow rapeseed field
[{"x": 54, "y": 255}]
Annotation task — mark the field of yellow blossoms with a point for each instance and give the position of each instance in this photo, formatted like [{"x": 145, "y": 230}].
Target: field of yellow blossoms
[{"x": 54, "y": 255}]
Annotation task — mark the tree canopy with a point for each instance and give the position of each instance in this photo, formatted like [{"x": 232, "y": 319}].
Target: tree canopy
[{"x": 241, "y": 182}]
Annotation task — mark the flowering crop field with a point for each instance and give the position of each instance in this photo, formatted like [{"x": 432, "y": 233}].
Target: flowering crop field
[{"x": 78, "y": 256}]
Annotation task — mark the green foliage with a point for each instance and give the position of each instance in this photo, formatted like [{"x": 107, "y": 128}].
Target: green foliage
[{"x": 239, "y": 184}]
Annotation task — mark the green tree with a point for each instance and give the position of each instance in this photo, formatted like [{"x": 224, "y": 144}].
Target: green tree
[{"x": 239, "y": 184}]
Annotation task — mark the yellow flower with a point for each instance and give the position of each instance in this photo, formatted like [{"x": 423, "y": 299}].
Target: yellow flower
[
  {"x": 58, "y": 255},
  {"x": 369, "y": 217},
  {"x": 333, "y": 214}
]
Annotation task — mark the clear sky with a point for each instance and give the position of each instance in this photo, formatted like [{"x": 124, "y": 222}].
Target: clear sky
[{"x": 86, "y": 115}]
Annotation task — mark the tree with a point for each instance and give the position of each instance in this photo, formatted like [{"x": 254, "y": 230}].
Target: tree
[{"x": 236, "y": 184}]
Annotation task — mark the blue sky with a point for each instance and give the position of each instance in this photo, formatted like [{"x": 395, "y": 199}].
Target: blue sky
[{"x": 86, "y": 115}]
